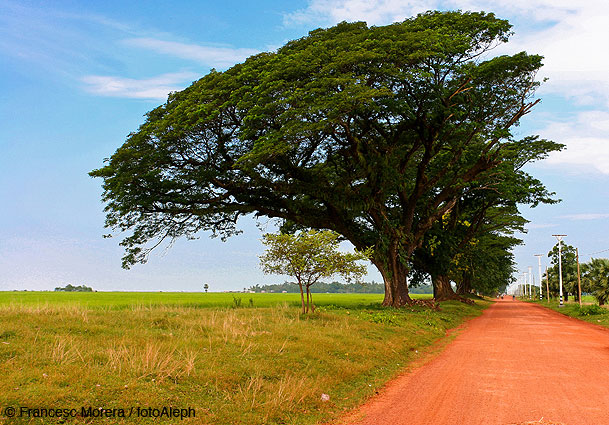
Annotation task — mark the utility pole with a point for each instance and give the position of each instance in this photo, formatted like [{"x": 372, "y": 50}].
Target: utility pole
[
  {"x": 579, "y": 280},
  {"x": 539, "y": 263},
  {"x": 547, "y": 284},
  {"x": 530, "y": 274},
  {"x": 559, "y": 237}
]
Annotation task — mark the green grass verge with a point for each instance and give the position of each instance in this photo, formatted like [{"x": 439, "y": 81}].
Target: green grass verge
[
  {"x": 592, "y": 313},
  {"x": 267, "y": 364}
]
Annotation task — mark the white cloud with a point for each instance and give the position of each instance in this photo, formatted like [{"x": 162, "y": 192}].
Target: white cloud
[
  {"x": 585, "y": 155},
  {"x": 215, "y": 56},
  {"x": 149, "y": 88},
  {"x": 374, "y": 12},
  {"x": 383, "y": 12},
  {"x": 540, "y": 225},
  {"x": 587, "y": 216},
  {"x": 586, "y": 140}
]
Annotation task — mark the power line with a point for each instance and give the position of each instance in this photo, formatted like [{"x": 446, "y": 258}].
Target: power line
[{"x": 598, "y": 252}]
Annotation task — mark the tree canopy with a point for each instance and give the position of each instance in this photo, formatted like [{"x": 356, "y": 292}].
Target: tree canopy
[{"x": 373, "y": 132}]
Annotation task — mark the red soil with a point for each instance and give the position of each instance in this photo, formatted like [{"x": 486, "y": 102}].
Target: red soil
[{"x": 516, "y": 364}]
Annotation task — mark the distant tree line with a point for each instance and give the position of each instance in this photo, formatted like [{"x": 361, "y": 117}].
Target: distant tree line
[
  {"x": 72, "y": 288},
  {"x": 337, "y": 288}
]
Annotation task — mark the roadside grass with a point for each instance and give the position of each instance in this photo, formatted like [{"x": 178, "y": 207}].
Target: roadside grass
[
  {"x": 589, "y": 311},
  {"x": 267, "y": 364}
]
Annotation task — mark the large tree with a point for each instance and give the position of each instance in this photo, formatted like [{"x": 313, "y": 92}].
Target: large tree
[
  {"x": 372, "y": 132},
  {"x": 479, "y": 226},
  {"x": 488, "y": 267},
  {"x": 470, "y": 246}
]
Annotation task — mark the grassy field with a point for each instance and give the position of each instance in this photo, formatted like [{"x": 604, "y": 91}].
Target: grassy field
[
  {"x": 259, "y": 362},
  {"x": 131, "y": 300}
]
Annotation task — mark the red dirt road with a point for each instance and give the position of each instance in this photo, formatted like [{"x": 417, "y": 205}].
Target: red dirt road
[{"x": 514, "y": 364}]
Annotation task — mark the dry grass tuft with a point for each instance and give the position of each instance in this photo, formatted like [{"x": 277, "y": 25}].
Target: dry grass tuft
[
  {"x": 153, "y": 360},
  {"x": 64, "y": 351}
]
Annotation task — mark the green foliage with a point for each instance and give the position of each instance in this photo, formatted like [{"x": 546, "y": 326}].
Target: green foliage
[
  {"x": 309, "y": 256},
  {"x": 372, "y": 132},
  {"x": 71, "y": 288},
  {"x": 596, "y": 279}
]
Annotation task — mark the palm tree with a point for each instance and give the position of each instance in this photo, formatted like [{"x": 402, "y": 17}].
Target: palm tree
[{"x": 596, "y": 275}]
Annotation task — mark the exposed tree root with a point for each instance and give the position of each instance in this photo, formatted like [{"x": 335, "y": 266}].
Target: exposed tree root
[
  {"x": 455, "y": 297},
  {"x": 426, "y": 303}
]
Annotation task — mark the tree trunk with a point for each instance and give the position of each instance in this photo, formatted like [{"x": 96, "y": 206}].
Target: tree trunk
[
  {"x": 396, "y": 284},
  {"x": 310, "y": 306},
  {"x": 464, "y": 286},
  {"x": 301, "y": 296},
  {"x": 442, "y": 290}
]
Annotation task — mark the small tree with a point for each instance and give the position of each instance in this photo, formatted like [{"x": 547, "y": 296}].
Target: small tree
[
  {"x": 206, "y": 287},
  {"x": 309, "y": 256}
]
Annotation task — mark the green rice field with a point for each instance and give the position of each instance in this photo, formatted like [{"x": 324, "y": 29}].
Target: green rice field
[{"x": 121, "y": 300}]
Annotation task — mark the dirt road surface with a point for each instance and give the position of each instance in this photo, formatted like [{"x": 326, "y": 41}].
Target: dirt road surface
[{"x": 517, "y": 363}]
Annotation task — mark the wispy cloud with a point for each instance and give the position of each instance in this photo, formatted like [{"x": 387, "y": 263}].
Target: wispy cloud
[
  {"x": 71, "y": 45},
  {"x": 216, "y": 56},
  {"x": 586, "y": 139},
  {"x": 382, "y": 12},
  {"x": 148, "y": 88},
  {"x": 540, "y": 225},
  {"x": 374, "y": 12},
  {"x": 588, "y": 216}
]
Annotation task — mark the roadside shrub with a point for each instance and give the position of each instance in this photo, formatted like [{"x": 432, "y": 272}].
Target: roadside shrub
[{"x": 590, "y": 310}]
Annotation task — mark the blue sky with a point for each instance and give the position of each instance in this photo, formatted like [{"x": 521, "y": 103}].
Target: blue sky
[{"x": 77, "y": 76}]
